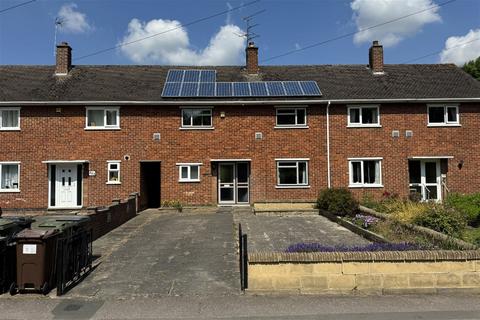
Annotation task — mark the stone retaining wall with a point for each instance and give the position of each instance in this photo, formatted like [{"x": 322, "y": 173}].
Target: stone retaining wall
[{"x": 364, "y": 272}]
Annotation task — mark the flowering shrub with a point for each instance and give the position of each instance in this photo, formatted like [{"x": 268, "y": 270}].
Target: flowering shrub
[
  {"x": 364, "y": 221},
  {"x": 317, "y": 247}
]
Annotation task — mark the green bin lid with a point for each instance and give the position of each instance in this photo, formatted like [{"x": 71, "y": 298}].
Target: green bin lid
[{"x": 51, "y": 224}]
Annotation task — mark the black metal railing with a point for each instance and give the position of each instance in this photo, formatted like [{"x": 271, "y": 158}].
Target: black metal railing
[
  {"x": 243, "y": 258},
  {"x": 74, "y": 259}
]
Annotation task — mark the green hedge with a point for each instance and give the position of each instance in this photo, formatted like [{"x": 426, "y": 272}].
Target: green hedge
[
  {"x": 467, "y": 204},
  {"x": 338, "y": 201}
]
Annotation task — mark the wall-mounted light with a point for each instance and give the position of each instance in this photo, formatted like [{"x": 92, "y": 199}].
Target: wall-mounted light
[
  {"x": 222, "y": 114},
  {"x": 460, "y": 164}
]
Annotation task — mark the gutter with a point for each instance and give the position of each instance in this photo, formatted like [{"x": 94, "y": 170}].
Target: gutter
[{"x": 236, "y": 102}]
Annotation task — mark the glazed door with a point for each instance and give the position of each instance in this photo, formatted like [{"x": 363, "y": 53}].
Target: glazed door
[{"x": 226, "y": 183}]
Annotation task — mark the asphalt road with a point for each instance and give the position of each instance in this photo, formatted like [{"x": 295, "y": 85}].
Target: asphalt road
[{"x": 434, "y": 307}]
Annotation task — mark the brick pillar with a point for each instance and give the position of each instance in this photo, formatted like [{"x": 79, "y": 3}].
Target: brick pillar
[
  {"x": 63, "y": 59},
  {"x": 376, "y": 57},
  {"x": 252, "y": 58}
]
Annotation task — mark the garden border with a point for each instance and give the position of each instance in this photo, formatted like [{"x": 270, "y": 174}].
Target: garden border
[{"x": 425, "y": 231}]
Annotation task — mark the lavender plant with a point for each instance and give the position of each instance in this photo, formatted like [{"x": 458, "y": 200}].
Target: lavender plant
[{"x": 317, "y": 247}]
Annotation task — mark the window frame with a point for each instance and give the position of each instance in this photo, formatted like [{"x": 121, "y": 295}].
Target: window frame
[
  {"x": 118, "y": 163},
  {"x": 297, "y": 161},
  {"x": 196, "y": 127},
  {"x": 17, "y": 128},
  {"x": 351, "y": 184},
  {"x": 189, "y": 171},
  {"x": 445, "y": 122},
  {"x": 17, "y": 163},
  {"x": 291, "y": 126},
  {"x": 105, "y": 126},
  {"x": 359, "y": 124}
]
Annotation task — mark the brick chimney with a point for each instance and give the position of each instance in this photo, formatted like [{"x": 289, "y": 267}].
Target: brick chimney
[
  {"x": 63, "y": 59},
  {"x": 375, "y": 56},
  {"x": 252, "y": 58}
]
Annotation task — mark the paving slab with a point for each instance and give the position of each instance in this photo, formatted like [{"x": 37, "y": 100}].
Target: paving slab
[
  {"x": 165, "y": 254},
  {"x": 276, "y": 233}
]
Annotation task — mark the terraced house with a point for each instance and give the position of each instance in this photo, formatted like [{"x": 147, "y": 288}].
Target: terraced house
[{"x": 74, "y": 136}]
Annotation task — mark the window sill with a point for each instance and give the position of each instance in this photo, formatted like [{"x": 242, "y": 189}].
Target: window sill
[
  {"x": 113, "y": 182},
  {"x": 196, "y": 128},
  {"x": 434, "y": 125},
  {"x": 187, "y": 181},
  {"x": 365, "y": 186},
  {"x": 291, "y": 127},
  {"x": 64, "y": 208},
  {"x": 9, "y": 190},
  {"x": 364, "y": 126},
  {"x": 10, "y": 129},
  {"x": 102, "y": 129},
  {"x": 292, "y": 187}
]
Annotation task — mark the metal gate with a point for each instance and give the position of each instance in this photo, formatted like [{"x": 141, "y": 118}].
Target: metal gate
[
  {"x": 243, "y": 258},
  {"x": 74, "y": 259}
]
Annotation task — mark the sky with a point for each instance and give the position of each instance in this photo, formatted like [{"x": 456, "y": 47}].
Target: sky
[{"x": 193, "y": 32}]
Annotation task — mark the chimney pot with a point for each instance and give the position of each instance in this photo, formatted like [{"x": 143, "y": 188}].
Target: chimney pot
[
  {"x": 252, "y": 58},
  {"x": 375, "y": 57},
  {"x": 63, "y": 59}
]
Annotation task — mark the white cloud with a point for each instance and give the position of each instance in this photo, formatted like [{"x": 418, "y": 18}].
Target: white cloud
[
  {"x": 173, "y": 47},
  {"x": 368, "y": 13},
  {"x": 73, "y": 21},
  {"x": 461, "y": 49}
]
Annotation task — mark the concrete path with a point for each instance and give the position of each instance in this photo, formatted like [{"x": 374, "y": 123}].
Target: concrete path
[
  {"x": 276, "y": 233},
  {"x": 165, "y": 254}
]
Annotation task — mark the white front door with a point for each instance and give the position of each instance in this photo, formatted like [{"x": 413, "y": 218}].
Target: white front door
[
  {"x": 234, "y": 183},
  {"x": 66, "y": 186}
]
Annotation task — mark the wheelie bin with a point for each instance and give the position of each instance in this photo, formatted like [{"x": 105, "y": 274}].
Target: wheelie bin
[
  {"x": 9, "y": 227},
  {"x": 36, "y": 255}
]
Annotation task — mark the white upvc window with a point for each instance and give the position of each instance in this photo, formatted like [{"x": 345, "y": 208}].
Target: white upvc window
[
  {"x": 103, "y": 118},
  {"x": 443, "y": 115},
  {"x": 113, "y": 172},
  {"x": 292, "y": 173},
  {"x": 9, "y": 176},
  {"x": 363, "y": 116},
  {"x": 189, "y": 172},
  {"x": 197, "y": 118},
  {"x": 10, "y": 118},
  {"x": 291, "y": 117},
  {"x": 365, "y": 172}
]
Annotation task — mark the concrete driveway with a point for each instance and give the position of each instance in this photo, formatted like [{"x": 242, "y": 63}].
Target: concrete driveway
[{"x": 166, "y": 254}]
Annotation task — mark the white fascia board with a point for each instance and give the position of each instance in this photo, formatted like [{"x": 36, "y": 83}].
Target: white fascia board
[
  {"x": 237, "y": 102},
  {"x": 66, "y": 161},
  {"x": 431, "y": 157}
]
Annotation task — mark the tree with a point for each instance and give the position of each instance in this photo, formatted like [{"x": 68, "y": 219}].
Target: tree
[{"x": 473, "y": 68}]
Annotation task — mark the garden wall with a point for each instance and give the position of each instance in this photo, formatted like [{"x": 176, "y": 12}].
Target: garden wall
[
  {"x": 105, "y": 219},
  {"x": 364, "y": 272}
]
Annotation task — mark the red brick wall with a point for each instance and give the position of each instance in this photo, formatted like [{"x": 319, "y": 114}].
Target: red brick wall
[
  {"x": 47, "y": 135},
  {"x": 463, "y": 143}
]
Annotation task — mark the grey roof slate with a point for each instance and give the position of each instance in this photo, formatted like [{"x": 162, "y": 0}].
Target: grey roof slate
[{"x": 145, "y": 83}]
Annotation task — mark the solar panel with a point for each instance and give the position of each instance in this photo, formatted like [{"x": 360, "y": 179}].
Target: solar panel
[
  {"x": 171, "y": 89},
  {"x": 275, "y": 88},
  {"x": 206, "y": 89},
  {"x": 189, "y": 89},
  {"x": 310, "y": 88},
  {"x": 202, "y": 83},
  {"x": 208, "y": 76},
  {"x": 224, "y": 89},
  {"x": 191, "y": 76},
  {"x": 258, "y": 89},
  {"x": 293, "y": 88},
  {"x": 241, "y": 89},
  {"x": 175, "y": 75}
]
